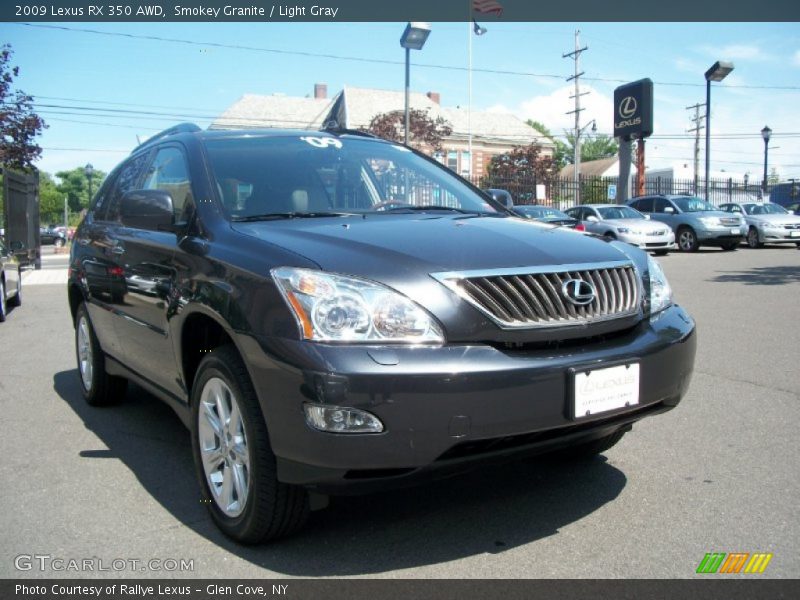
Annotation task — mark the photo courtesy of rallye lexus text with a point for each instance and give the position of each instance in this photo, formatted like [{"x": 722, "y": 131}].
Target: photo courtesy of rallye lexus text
[{"x": 331, "y": 313}]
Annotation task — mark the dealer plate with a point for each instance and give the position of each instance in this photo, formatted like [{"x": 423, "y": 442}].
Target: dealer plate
[
  {"x": 794, "y": 234},
  {"x": 601, "y": 390},
  {"x": 735, "y": 231}
]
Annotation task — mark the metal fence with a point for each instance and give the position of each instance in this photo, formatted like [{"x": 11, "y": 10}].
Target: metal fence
[{"x": 562, "y": 192}]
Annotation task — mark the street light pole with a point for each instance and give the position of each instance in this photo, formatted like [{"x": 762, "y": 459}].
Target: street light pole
[
  {"x": 766, "y": 133},
  {"x": 717, "y": 72},
  {"x": 88, "y": 170},
  {"x": 413, "y": 38}
]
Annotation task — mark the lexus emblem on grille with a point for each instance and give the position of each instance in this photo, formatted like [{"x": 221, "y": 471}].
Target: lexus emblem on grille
[{"x": 578, "y": 291}]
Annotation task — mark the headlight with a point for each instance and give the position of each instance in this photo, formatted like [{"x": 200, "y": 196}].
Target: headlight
[
  {"x": 623, "y": 230},
  {"x": 766, "y": 225},
  {"x": 338, "y": 308},
  {"x": 660, "y": 291},
  {"x": 710, "y": 221}
]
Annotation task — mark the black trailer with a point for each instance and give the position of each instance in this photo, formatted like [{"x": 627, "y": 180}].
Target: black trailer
[{"x": 21, "y": 216}]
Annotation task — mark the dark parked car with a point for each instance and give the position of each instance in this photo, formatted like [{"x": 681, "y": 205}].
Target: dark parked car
[
  {"x": 694, "y": 221},
  {"x": 333, "y": 313},
  {"x": 10, "y": 281},
  {"x": 51, "y": 235},
  {"x": 548, "y": 214}
]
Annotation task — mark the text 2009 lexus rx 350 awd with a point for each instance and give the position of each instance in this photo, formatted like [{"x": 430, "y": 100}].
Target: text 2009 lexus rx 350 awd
[{"x": 333, "y": 313}]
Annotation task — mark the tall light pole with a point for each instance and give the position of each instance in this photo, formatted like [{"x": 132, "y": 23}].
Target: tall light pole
[
  {"x": 88, "y": 170},
  {"x": 413, "y": 38},
  {"x": 766, "y": 133},
  {"x": 717, "y": 72},
  {"x": 576, "y": 157},
  {"x": 477, "y": 30}
]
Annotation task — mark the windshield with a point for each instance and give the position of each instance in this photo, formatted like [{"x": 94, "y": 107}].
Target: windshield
[
  {"x": 541, "y": 212},
  {"x": 692, "y": 204},
  {"x": 296, "y": 176},
  {"x": 620, "y": 212},
  {"x": 764, "y": 209}
]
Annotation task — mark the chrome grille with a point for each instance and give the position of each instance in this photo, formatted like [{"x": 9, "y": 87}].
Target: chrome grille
[
  {"x": 792, "y": 226},
  {"x": 520, "y": 298},
  {"x": 730, "y": 221}
]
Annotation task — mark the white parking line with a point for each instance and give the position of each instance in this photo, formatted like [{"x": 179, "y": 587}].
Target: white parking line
[{"x": 44, "y": 277}]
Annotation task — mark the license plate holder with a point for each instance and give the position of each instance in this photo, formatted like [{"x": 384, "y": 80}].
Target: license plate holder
[{"x": 598, "y": 391}]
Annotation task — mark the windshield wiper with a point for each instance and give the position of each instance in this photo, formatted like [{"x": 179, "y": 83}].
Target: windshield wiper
[
  {"x": 424, "y": 207},
  {"x": 289, "y": 215}
]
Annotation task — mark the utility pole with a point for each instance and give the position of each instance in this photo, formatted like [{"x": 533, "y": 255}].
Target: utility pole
[
  {"x": 575, "y": 56},
  {"x": 697, "y": 120}
]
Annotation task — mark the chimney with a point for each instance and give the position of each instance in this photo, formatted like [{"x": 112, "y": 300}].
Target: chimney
[
  {"x": 435, "y": 97},
  {"x": 320, "y": 91}
]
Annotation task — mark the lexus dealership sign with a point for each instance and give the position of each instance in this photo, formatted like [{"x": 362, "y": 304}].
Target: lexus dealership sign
[{"x": 633, "y": 110}]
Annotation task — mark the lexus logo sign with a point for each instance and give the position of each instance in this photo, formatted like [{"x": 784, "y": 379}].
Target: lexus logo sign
[
  {"x": 627, "y": 108},
  {"x": 633, "y": 110}
]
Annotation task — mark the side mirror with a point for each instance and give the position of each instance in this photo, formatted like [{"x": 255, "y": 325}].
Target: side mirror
[
  {"x": 669, "y": 210},
  {"x": 592, "y": 219},
  {"x": 147, "y": 209},
  {"x": 16, "y": 246}
]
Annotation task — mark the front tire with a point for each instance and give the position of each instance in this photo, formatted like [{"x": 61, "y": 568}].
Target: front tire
[
  {"x": 752, "y": 238},
  {"x": 99, "y": 388},
  {"x": 3, "y": 305},
  {"x": 59, "y": 242},
  {"x": 728, "y": 246},
  {"x": 233, "y": 457},
  {"x": 687, "y": 240}
]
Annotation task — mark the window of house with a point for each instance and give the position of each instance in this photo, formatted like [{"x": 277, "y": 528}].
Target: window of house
[{"x": 452, "y": 160}]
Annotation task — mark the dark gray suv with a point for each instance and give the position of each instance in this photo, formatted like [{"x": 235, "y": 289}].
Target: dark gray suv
[{"x": 332, "y": 313}]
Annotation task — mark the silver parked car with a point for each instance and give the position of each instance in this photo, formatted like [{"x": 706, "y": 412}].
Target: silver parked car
[
  {"x": 767, "y": 223},
  {"x": 623, "y": 223}
]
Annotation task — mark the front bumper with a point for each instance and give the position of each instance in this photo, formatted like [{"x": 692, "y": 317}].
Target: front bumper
[
  {"x": 720, "y": 234},
  {"x": 650, "y": 242},
  {"x": 452, "y": 405},
  {"x": 779, "y": 235}
]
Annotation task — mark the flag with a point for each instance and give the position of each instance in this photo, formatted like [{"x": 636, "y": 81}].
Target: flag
[{"x": 487, "y": 7}]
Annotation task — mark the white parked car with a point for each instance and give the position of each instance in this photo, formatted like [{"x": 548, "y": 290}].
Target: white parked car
[
  {"x": 767, "y": 223},
  {"x": 620, "y": 222}
]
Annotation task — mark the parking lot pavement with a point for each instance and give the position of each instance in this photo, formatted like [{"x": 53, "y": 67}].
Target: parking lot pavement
[{"x": 717, "y": 474}]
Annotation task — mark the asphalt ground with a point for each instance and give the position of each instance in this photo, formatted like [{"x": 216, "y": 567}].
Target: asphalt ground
[{"x": 720, "y": 473}]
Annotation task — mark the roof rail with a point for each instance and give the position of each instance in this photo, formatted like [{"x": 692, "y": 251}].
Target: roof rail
[{"x": 180, "y": 128}]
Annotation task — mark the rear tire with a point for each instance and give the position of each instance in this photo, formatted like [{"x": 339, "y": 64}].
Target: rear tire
[
  {"x": 3, "y": 305},
  {"x": 99, "y": 388},
  {"x": 233, "y": 457},
  {"x": 17, "y": 299}
]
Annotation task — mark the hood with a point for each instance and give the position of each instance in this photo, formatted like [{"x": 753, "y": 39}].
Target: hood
[{"x": 376, "y": 245}]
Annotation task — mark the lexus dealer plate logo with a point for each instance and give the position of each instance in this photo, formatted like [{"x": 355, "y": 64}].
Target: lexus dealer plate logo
[
  {"x": 627, "y": 108},
  {"x": 578, "y": 291}
]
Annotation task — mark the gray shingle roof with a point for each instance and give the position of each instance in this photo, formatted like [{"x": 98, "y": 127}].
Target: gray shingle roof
[
  {"x": 252, "y": 111},
  {"x": 590, "y": 168}
]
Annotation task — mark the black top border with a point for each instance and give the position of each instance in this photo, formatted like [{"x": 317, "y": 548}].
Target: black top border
[{"x": 399, "y": 10}]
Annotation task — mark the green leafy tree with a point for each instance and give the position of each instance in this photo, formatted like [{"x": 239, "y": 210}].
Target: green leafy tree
[
  {"x": 51, "y": 200},
  {"x": 425, "y": 133},
  {"x": 561, "y": 149},
  {"x": 75, "y": 186},
  {"x": 594, "y": 148},
  {"x": 19, "y": 124}
]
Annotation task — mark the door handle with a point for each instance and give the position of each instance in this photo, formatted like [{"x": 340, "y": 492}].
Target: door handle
[{"x": 118, "y": 250}]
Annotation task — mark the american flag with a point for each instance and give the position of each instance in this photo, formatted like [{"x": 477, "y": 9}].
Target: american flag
[{"x": 487, "y": 7}]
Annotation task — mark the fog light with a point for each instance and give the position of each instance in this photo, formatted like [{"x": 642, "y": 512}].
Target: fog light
[{"x": 341, "y": 419}]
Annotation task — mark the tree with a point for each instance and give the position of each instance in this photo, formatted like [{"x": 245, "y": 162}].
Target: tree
[
  {"x": 520, "y": 170},
  {"x": 76, "y": 187},
  {"x": 424, "y": 132},
  {"x": 51, "y": 200},
  {"x": 600, "y": 146},
  {"x": 19, "y": 124},
  {"x": 560, "y": 151}
]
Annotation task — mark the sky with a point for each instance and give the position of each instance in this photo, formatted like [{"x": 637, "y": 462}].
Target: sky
[{"x": 84, "y": 81}]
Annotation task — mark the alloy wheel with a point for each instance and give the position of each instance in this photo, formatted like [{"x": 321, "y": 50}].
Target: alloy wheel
[
  {"x": 85, "y": 357},
  {"x": 223, "y": 447}
]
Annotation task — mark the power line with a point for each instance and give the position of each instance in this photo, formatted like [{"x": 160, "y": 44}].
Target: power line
[{"x": 362, "y": 59}]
